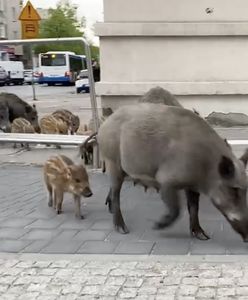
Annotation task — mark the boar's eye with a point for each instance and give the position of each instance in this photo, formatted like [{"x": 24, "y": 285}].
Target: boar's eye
[
  {"x": 1, "y": 117},
  {"x": 78, "y": 180},
  {"x": 33, "y": 118}
]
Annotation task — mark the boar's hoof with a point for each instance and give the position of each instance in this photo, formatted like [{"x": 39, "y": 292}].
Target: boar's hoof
[
  {"x": 50, "y": 203},
  {"x": 80, "y": 217},
  {"x": 165, "y": 221},
  {"x": 59, "y": 211},
  {"x": 121, "y": 229},
  {"x": 200, "y": 234}
]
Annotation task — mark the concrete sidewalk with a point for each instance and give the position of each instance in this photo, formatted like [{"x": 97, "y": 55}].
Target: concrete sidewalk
[
  {"x": 107, "y": 278},
  {"x": 28, "y": 225}
]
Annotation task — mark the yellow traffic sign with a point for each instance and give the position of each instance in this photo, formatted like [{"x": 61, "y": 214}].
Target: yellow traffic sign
[
  {"x": 30, "y": 29},
  {"x": 29, "y": 13}
]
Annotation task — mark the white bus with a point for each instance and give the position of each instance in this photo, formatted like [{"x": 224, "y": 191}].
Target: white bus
[{"x": 60, "y": 67}]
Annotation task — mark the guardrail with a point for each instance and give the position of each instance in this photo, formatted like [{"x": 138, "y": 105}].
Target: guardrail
[
  {"x": 70, "y": 138},
  {"x": 31, "y": 138}
]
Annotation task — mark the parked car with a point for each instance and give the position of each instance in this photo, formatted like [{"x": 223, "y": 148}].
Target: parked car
[
  {"x": 82, "y": 82},
  {"x": 28, "y": 76},
  {"x": 3, "y": 76},
  {"x": 14, "y": 70}
]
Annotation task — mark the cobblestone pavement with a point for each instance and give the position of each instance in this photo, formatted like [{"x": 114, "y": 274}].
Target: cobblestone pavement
[
  {"x": 28, "y": 225},
  {"x": 79, "y": 278}
]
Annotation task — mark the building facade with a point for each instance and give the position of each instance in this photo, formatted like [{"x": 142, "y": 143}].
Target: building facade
[
  {"x": 196, "y": 49},
  {"x": 10, "y": 26}
]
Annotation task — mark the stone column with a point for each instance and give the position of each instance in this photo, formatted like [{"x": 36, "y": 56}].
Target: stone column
[{"x": 197, "y": 49}]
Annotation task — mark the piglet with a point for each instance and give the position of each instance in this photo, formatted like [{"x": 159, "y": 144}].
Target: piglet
[{"x": 62, "y": 175}]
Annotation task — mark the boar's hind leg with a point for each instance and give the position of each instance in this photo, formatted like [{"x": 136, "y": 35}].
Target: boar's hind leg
[
  {"x": 193, "y": 208},
  {"x": 170, "y": 198},
  {"x": 117, "y": 178}
]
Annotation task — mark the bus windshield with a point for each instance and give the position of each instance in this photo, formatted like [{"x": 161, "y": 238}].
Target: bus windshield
[{"x": 53, "y": 60}]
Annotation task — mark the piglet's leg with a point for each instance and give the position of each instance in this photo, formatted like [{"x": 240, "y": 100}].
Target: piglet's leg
[
  {"x": 59, "y": 201},
  {"x": 77, "y": 202}
]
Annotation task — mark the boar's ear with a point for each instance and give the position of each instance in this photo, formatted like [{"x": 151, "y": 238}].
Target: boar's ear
[
  {"x": 226, "y": 168},
  {"x": 28, "y": 109},
  {"x": 244, "y": 157}
]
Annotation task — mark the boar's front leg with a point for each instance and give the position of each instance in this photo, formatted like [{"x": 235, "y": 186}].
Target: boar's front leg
[
  {"x": 109, "y": 201},
  {"x": 193, "y": 208},
  {"x": 117, "y": 178},
  {"x": 59, "y": 201},
  {"x": 170, "y": 198}
]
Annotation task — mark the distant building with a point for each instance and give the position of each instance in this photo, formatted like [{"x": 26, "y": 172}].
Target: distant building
[
  {"x": 10, "y": 27},
  {"x": 43, "y": 12}
]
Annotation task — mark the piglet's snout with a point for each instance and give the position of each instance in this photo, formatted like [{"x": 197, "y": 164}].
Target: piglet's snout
[{"x": 87, "y": 192}]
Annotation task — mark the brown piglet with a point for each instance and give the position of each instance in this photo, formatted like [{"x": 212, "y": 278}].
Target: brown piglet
[{"x": 61, "y": 175}]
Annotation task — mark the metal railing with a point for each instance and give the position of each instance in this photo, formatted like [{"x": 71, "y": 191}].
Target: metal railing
[{"x": 36, "y": 138}]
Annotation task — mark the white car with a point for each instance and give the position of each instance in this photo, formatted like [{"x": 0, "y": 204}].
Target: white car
[
  {"x": 28, "y": 76},
  {"x": 82, "y": 82}
]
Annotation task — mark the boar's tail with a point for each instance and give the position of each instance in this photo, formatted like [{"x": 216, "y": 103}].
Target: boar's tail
[{"x": 85, "y": 145}]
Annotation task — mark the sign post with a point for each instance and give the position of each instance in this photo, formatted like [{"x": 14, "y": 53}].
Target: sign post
[{"x": 30, "y": 18}]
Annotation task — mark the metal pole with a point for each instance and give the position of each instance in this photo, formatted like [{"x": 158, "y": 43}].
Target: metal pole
[
  {"x": 32, "y": 58},
  {"x": 89, "y": 67}
]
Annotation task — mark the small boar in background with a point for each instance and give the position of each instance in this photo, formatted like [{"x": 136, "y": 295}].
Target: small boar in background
[
  {"x": 21, "y": 125},
  {"x": 69, "y": 118},
  {"x": 20, "y": 109},
  {"x": 52, "y": 125},
  {"x": 62, "y": 175}
]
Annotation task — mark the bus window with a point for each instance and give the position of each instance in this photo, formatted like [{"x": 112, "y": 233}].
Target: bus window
[
  {"x": 53, "y": 60},
  {"x": 76, "y": 64}
]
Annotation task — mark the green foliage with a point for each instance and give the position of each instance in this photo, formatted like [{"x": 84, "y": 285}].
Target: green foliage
[{"x": 62, "y": 22}]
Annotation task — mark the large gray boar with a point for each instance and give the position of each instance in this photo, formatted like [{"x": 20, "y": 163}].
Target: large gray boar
[
  {"x": 172, "y": 148},
  {"x": 160, "y": 95},
  {"x": 20, "y": 109}
]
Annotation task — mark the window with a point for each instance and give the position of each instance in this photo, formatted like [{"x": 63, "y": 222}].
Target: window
[
  {"x": 2, "y": 5},
  {"x": 76, "y": 64},
  {"x": 53, "y": 60},
  {"x": 2, "y": 31}
]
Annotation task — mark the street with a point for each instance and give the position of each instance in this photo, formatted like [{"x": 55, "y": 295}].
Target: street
[{"x": 51, "y": 98}]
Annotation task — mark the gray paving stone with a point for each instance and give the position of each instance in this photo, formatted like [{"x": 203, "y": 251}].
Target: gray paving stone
[
  {"x": 76, "y": 224},
  {"x": 35, "y": 246},
  {"x": 12, "y": 233},
  {"x": 103, "y": 225},
  {"x": 172, "y": 247},
  {"x": 48, "y": 224},
  {"x": 90, "y": 235},
  {"x": 17, "y": 222},
  {"x": 134, "y": 248},
  {"x": 97, "y": 247},
  {"x": 61, "y": 247},
  {"x": 207, "y": 247},
  {"x": 66, "y": 234},
  {"x": 12, "y": 246},
  {"x": 41, "y": 234}
]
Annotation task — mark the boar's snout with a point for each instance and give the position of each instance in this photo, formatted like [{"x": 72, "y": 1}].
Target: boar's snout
[
  {"x": 87, "y": 192},
  {"x": 240, "y": 225}
]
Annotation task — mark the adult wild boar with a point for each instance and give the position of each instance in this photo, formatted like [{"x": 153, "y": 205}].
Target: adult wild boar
[
  {"x": 160, "y": 95},
  {"x": 20, "y": 109},
  {"x": 172, "y": 148}
]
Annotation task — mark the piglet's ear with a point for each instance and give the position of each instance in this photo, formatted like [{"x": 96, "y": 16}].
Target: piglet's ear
[
  {"x": 68, "y": 173},
  {"x": 226, "y": 168},
  {"x": 244, "y": 157}
]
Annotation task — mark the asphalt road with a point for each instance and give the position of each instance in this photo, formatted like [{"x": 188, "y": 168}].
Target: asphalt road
[{"x": 51, "y": 98}]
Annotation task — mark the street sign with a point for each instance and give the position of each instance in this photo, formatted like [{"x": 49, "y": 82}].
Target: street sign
[
  {"x": 29, "y": 13},
  {"x": 29, "y": 18},
  {"x": 30, "y": 29}
]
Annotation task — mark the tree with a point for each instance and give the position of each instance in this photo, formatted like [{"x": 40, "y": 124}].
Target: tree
[{"x": 62, "y": 22}]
